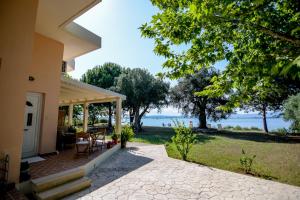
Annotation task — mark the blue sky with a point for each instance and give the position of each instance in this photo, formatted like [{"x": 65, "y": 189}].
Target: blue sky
[{"x": 117, "y": 22}]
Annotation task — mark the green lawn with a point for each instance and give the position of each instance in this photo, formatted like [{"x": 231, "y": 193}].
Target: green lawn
[{"x": 276, "y": 159}]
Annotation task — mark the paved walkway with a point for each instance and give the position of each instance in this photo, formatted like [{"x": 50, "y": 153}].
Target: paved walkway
[{"x": 146, "y": 172}]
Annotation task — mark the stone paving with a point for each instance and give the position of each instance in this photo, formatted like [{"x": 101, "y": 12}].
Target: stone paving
[{"x": 146, "y": 172}]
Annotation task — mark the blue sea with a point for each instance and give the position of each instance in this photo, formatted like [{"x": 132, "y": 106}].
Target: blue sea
[{"x": 243, "y": 120}]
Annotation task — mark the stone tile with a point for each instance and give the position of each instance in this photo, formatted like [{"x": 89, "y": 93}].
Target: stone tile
[{"x": 146, "y": 172}]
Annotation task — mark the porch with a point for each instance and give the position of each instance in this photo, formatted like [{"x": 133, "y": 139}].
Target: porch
[
  {"x": 73, "y": 92},
  {"x": 65, "y": 160}
]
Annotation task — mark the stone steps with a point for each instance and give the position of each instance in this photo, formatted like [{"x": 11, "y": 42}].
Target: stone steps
[
  {"x": 64, "y": 189},
  {"x": 61, "y": 184}
]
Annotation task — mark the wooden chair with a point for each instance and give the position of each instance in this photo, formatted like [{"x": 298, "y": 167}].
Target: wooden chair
[
  {"x": 98, "y": 138},
  {"x": 83, "y": 143}
]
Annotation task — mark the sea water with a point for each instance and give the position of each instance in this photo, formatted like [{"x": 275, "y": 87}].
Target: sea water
[{"x": 242, "y": 120}]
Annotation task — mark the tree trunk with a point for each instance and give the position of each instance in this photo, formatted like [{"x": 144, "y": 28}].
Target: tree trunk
[
  {"x": 264, "y": 114},
  {"x": 202, "y": 118},
  {"x": 131, "y": 116},
  {"x": 110, "y": 116},
  {"x": 136, "y": 120}
]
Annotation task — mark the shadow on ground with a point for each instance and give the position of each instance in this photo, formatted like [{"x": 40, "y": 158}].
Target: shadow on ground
[{"x": 118, "y": 165}]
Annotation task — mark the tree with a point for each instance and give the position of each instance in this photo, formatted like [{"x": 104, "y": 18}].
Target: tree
[
  {"x": 103, "y": 76},
  {"x": 292, "y": 112},
  {"x": 95, "y": 111},
  {"x": 248, "y": 34},
  {"x": 184, "y": 96},
  {"x": 144, "y": 92}
]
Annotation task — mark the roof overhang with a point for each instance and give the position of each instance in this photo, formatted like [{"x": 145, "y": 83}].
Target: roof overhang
[
  {"x": 76, "y": 92},
  {"x": 55, "y": 20}
]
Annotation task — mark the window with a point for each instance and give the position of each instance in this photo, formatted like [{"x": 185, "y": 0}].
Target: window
[{"x": 29, "y": 119}]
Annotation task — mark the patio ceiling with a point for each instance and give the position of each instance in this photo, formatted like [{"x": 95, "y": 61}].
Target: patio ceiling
[{"x": 76, "y": 92}]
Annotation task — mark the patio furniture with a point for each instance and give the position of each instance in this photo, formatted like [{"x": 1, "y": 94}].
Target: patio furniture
[
  {"x": 83, "y": 143},
  {"x": 98, "y": 138}
]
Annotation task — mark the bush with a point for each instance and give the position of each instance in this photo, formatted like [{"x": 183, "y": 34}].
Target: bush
[
  {"x": 292, "y": 112},
  {"x": 228, "y": 127},
  {"x": 255, "y": 128},
  {"x": 184, "y": 139},
  {"x": 115, "y": 136},
  {"x": 103, "y": 121},
  {"x": 246, "y": 162},
  {"x": 237, "y": 128},
  {"x": 281, "y": 131},
  {"x": 72, "y": 129},
  {"x": 126, "y": 135}
]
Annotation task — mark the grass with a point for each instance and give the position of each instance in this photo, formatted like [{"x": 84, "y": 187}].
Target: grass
[{"x": 276, "y": 158}]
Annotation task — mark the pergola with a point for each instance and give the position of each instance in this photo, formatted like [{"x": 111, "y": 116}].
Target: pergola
[{"x": 74, "y": 92}]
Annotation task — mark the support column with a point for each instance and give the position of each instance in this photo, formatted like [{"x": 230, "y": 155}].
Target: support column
[
  {"x": 85, "y": 116},
  {"x": 118, "y": 115},
  {"x": 70, "y": 117}
]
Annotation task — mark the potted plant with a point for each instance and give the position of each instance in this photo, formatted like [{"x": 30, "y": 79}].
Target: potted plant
[
  {"x": 126, "y": 135},
  {"x": 115, "y": 138}
]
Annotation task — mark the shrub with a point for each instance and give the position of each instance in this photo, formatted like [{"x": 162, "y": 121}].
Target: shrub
[
  {"x": 237, "y": 128},
  {"x": 246, "y": 162},
  {"x": 281, "y": 131},
  {"x": 72, "y": 129},
  {"x": 184, "y": 139},
  {"x": 126, "y": 135},
  {"x": 292, "y": 112},
  {"x": 228, "y": 127},
  {"x": 115, "y": 136},
  {"x": 255, "y": 128},
  {"x": 103, "y": 120}
]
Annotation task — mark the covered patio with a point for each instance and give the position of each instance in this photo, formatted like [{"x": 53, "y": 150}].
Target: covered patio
[{"x": 74, "y": 92}]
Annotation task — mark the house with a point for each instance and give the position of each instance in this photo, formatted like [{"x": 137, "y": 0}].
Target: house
[{"x": 39, "y": 40}]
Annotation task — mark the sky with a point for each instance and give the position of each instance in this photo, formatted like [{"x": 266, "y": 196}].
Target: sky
[{"x": 117, "y": 22}]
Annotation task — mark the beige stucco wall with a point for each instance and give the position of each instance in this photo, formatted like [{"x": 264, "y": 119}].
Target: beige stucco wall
[
  {"x": 46, "y": 70},
  {"x": 17, "y": 22}
]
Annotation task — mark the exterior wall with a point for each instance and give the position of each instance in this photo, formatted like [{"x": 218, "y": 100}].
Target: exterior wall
[
  {"x": 17, "y": 22},
  {"x": 46, "y": 70}
]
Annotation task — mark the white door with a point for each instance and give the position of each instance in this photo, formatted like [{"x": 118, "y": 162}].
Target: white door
[{"x": 31, "y": 124}]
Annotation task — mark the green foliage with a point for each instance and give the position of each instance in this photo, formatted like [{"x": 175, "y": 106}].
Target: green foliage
[
  {"x": 184, "y": 138},
  {"x": 248, "y": 34},
  {"x": 238, "y": 128},
  {"x": 259, "y": 40},
  {"x": 126, "y": 135},
  {"x": 103, "y": 120},
  {"x": 292, "y": 112},
  {"x": 115, "y": 136},
  {"x": 72, "y": 129},
  {"x": 281, "y": 131},
  {"x": 184, "y": 96},
  {"x": 103, "y": 75},
  {"x": 144, "y": 92},
  {"x": 246, "y": 162}
]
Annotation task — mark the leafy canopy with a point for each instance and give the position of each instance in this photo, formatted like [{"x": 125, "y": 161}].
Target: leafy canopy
[
  {"x": 292, "y": 112},
  {"x": 252, "y": 35},
  {"x": 143, "y": 91},
  {"x": 103, "y": 75},
  {"x": 184, "y": 96}
]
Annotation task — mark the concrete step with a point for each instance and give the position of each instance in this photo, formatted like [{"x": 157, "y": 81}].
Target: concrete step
[
  {"x": 54, "y": 180},
  {"x": 65, "y": 189}
]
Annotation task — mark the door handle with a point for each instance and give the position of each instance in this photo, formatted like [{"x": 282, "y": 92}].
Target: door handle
[{"x": 26, "y": 129}]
